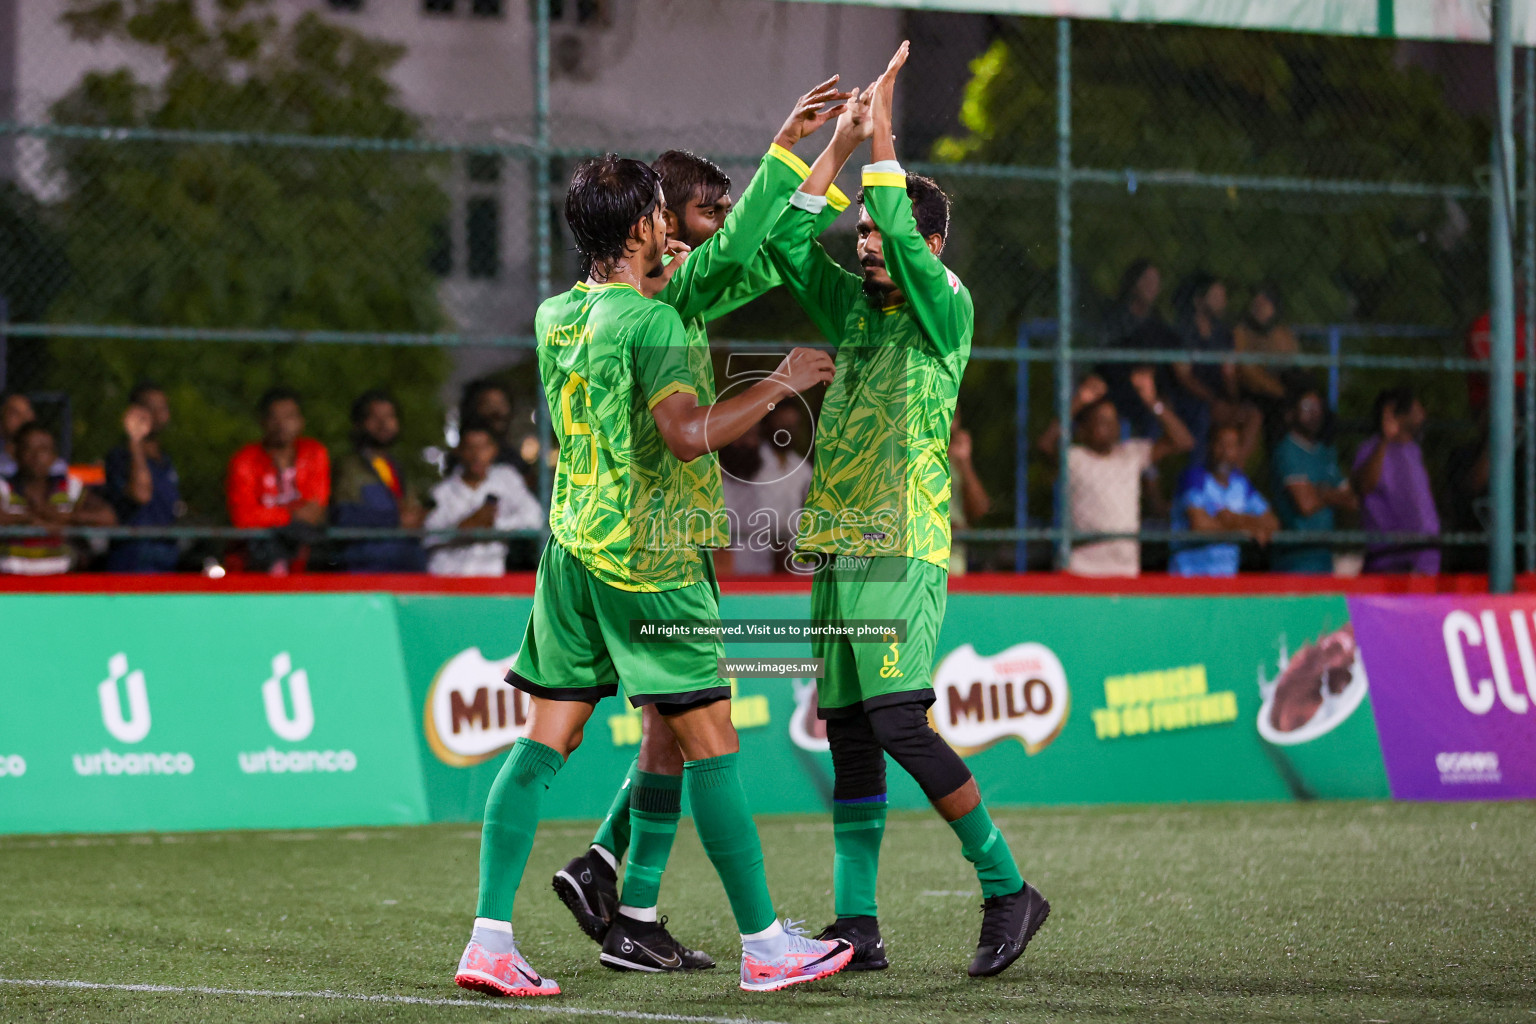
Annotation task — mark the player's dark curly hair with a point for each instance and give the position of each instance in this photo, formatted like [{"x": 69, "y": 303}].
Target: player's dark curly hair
[
  {"x": 684, "y": 176},
  {"x": 930, "y": 206},
  {"x": 609, "y": 195}
]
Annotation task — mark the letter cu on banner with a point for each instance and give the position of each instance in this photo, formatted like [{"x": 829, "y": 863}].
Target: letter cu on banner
[{"x": 1454, "y": 693}]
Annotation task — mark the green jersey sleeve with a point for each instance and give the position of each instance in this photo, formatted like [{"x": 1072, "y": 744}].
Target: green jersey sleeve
[
  {"x": 660, "y": 355},
  {"x": 824, "y": 290},
  {"x": 725, "y": 271},
  {"x": 941, "y": 304},
  {"x": 761, "y": 276}
]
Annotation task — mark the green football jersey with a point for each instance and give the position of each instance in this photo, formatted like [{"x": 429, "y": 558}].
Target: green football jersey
[
  {"x": 880, "y": 482},
  {"x": 726, "y": 271},
  {"x": 622, "y": 502}
]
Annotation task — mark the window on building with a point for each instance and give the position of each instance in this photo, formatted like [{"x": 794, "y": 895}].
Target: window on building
[
  {"x": 482, "y": 236},
  {"x": 483, "y": 168},
  {"x": 440, "y": 251},
  {"x": 437, "y": 6},
  {"x": 485, "y": 8},
  {"x": 346, "y": 5},
  {"x": 579, "y": 12}
]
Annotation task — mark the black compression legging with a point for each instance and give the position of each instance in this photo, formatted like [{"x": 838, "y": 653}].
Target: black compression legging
[{"x": 860, "y": 741}]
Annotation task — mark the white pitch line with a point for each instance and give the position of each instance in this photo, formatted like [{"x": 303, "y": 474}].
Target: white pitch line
[{"x": 529, "y": 1005}]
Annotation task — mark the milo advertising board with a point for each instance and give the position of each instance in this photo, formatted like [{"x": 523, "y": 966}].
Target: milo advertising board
[{"x": 1050, "y": 700}]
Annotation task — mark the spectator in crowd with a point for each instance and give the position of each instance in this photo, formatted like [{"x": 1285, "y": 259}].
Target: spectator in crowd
[
  {"x": 1104, "y": 478},
  {"x": 283, "y": 483},
  {"x": 764, "y": 486},
  {"x": 1393, "y": 485},
  {"x": 1266, "y": 385},
  {"x": 1309, "y": 487},
  {"x": 1136, "y": 323},
  {"x": 1467, "y": 506},
  {"x": 35, "y": 495},
  {"x": 490, "y": 404},
  {"x": 479, "y": 494},
  {"x": 369, "y": 489},
  {"x": 16, "y": 412},
  {"x": 142, "y": 486},
  {"x": 1089, "y": 390},
  {"x": 968, "y": 498},
  {"x": 1205, "y": 393},
  {"x": 1218, "y": 497}
]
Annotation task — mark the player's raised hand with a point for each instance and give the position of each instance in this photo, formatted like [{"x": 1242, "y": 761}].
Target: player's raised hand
[
  {"x": 812, "y": 110},
  {"x": 885, "y": 86},
  {"x": 855, "y": 123},
  {"x": 804, "y": 368}
]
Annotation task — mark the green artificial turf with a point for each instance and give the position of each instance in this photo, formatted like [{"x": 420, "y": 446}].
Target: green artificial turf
[{"x": 1324, "y": 912}]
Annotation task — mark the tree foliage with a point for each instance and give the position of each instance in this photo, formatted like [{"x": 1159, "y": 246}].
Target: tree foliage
[
  {"x": 1219, "y": 102},
  {"x": 247, "y": 233}
]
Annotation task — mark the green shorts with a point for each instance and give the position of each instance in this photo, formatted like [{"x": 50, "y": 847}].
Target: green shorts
[
  {"x": 861, "y": 675},
  {"x": 578, "y": 646}
]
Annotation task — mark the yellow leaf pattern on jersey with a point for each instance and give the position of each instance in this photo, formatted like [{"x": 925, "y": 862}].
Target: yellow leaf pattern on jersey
[{"x": 622, "y": 502}]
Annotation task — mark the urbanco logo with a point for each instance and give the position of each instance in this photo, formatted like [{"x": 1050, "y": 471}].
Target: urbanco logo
[
  {"x": 132, "y": 729},
  {"x": 135, "y": 727},
  {"x": 298, "y": 727},
  {"x": 293, "y": 728}
]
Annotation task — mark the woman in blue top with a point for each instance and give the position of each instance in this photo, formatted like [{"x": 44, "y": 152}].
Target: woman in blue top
[{"x": 1218, "y": 497}]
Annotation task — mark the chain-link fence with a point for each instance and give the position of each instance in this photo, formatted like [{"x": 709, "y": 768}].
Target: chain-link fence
[{"x": 1172, "y": 235}]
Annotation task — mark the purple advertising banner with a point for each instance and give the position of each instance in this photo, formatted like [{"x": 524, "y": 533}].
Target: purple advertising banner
[{"x": 1453, "y": 685}]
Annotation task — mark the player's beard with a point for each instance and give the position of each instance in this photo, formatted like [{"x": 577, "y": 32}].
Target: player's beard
[
  {"x": 874, "y": 287},
  {"x": 654, "y": 251}
]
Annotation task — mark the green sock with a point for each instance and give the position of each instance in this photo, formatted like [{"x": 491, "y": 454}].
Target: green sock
[
  {"x": 857, "y": 828},
  {"x": 985, "y": 847},
  {"x": 656, "y": 804},
  {"x": 511, "y": 818},
  {"x": 729, "y": 836},
  {"x": 613, "y": 834}
]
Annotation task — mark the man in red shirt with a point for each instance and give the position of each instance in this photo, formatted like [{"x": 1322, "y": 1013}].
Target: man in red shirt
[{"x": 283, "y": 480}]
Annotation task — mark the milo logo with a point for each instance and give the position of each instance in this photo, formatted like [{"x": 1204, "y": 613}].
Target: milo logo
[
  {"x": 806, "y": 729},
  {"x": 981, "y": 699},
  {"x": 471, "y": 715}
]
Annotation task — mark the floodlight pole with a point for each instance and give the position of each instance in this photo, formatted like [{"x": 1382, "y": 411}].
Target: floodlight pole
[
  {"x": 1529, "y": 308},
  {"x": 1501, "y": 371},
  {"x": 1064, "y": 287},
  {"x": 541, "y": 221},
  {"x": 541, "y": 134}
]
